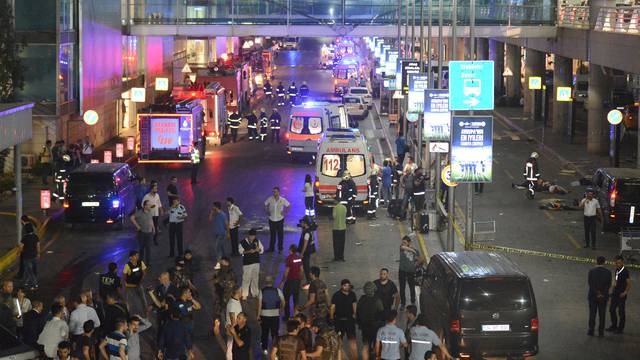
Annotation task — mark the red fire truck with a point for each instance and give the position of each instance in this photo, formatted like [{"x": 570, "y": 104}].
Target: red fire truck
[{"x": 213, "y": 99}]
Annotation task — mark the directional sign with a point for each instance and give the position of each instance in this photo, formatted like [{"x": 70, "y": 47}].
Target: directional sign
[
  {"x": 535, "y": 83},
  {"x": 471, "y": 85},
  {"x": 408, "y": 67},
  {"x": 614, "y": 117},
  {"x": 564, "y": 93},
  {"x": 418, "y": 83}
]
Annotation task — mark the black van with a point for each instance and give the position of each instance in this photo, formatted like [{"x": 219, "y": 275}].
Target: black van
[
  {"x": 482, "y": 304},
  {"x": 100, "y": 193},
  {"x": 618, "y": 192}
]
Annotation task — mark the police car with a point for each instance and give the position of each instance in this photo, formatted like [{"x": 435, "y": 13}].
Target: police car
[{"x": 340, "y": 150}]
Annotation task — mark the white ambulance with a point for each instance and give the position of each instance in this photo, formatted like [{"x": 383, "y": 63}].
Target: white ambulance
[
  {"x": 339, "y": 150},
  {"x": 308, "y": 123}
]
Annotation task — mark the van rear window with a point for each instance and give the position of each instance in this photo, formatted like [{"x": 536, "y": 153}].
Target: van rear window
[
  {"x": 83, "y": 183},
  {"x": 358, "y": 91},
  {"x": 628, "y": 192},
  {"x": 305, "y": 125},
  {"x": 334, "y": 164},
  {"x": 495, "y": 294}
]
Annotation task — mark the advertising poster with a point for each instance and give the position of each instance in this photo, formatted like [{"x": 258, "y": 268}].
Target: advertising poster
[
  {"x": 418, "y": 83},
  {"x": 391, "y": 62},
  {"x": 408, "y": 67},
  {"x": 472, "y": 149},
  {"x": 164, "y": 132},
  {"x": 437, "y": 117}
]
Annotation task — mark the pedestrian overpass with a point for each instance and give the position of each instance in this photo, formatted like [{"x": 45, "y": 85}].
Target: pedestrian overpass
[{"x": 328, "y": 18}]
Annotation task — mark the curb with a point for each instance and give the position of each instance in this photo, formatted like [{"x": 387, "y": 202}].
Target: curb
[{"x": 12, "y": 255}]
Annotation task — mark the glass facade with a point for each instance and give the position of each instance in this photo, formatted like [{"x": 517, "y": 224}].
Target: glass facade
[
  {"x": 67, "y": 15},
  {"x": 67, "y": 74},
  {"x": 36, "y": 15},
  {"x": 39, "y": 61}
]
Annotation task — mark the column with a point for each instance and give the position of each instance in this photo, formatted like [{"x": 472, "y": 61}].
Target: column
[
  {"x": 213, "y": 50},
  {"x": 496, "y": 53},
  {"x": 482, "y": 48},
  {"x": 17, "y": 169},
  {"x": 597, "y": 126},
  {"x": 513, "y": 84},
  {"x": 462, "y": 49},
  {"x": 562, "y": 72},
  {"x": 533, "y": 66}
]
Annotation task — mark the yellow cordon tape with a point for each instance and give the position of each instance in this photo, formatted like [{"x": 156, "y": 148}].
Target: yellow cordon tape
[{"x": 10, "y": 257}]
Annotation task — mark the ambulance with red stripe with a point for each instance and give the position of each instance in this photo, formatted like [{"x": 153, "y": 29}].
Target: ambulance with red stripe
[
  {"x": 340, "y": 150},
  {"x": 308, "y": 123}
]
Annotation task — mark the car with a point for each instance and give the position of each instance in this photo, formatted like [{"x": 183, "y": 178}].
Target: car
[
  {"x": 11, "y": 348},
  {"x": 355, "y": 107},
  {"x": 362, "y": 92},
  {"x": 482, "y": 303},
  {"x": 100, "y": 193},
  {"x": 290, "y": 43},
  {"x": 618, "y": 192}
]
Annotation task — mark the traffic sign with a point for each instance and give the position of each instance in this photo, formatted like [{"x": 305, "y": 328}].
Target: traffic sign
[
  {"x": 614, "y": 117},
  {"x": 162, "y": 84},
  {"x": 412, "y": 117},
  {"x": 439, "y": 147},
  {"x": 563, "y": 94},
  {"x": 445, "y": 175},
  {"x": 535, "y": 83},
  {"x": 471, "y": 85},
  {"x": 90, "y": 117}
]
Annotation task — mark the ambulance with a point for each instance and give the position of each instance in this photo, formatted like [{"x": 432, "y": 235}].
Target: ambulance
[
  {"x": 339, "y": 150},
  {"x": 308, "y": 123}
]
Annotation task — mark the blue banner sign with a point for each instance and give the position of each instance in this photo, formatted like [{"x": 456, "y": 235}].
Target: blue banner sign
[
  {"x": 437, "y": 117},
  {"x": 472, "y": 149}
]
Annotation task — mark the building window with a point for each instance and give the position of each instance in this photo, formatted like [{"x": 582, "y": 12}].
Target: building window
[
  {"x": 66, "y": 15},
  {"x": 66, "y": 83}
]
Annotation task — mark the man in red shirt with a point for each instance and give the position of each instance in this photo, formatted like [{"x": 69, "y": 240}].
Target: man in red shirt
[{"x": 291, "y": 279}]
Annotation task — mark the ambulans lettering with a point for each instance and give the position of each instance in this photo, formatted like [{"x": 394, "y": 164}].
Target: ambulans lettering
[{"x": 341, "y": 150}]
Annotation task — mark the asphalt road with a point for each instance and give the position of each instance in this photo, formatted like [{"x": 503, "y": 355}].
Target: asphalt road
[{"x": 247, "y": 171}]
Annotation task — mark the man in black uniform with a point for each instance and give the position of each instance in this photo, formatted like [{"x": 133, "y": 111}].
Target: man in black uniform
[
  {"x": 264, "y": 125},
  {"x": 234, "y": 125},
  {"x": 293, "y": 93},
  {"x": 373, "y": 196},
  {"x": 252, "y": 125},
  {"x": 346, "y": 192},
  {"x": 275, "y": 121},
  {"x": 619, "y": 296},
  {"x": 268, "y": 91},
  {"x": 599, "y": 285},
  {"x": 281, "y": 93},
  {"x": 109, "y": 282},
  {"x": 304, "y": 91},
  {"x": 419, "y": 187}
]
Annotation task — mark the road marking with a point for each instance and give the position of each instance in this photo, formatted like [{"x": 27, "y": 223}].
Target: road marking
[
  {"x": 508, "y": 174},
  {"x": 573, "y": 240}
]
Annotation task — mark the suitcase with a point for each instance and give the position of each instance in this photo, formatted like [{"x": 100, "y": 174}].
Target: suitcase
[
  {"x": 395, "y": 209},
  {"x": 423, "y": 223}
]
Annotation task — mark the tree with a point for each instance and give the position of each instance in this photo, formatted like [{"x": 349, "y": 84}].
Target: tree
[{"x": 11, "y": 69}]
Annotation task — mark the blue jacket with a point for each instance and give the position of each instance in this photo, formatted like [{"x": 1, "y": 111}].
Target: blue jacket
[
  {"x": 401, "y": 143},
  {"x": 387, "y": 174},
  {"x": 174, "y": 340}
]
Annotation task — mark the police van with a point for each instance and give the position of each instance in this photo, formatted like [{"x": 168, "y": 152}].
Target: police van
[
  {"x": 308, "y": 123},
  {"x": 340, "y": 150}
]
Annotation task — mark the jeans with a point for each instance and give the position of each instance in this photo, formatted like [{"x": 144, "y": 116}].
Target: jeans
[
  {"x": 404, "y": 278},
  {"x": 599, "y": 307},
  {"x": 175, "y": 234},
  {"x": 590, "y": 230},
  {"x": 250, "y": 278},
  {"x": 408, "y": 196},
  {"x": 306, "y": 265},
  {"x": 30, "y": 278},
  {"x": 386, "y": 194},
  {"x": 269, "y": 324},
  {"x": 144, "y": 246},
  {"x": 338, "y": 244},
  {"x": 291, "y": 288},
  {"x": 276, "y": 228},
  {"x": 219, "y": 240},
  {"x": 617, "y": 309},
  {"x": 233, "y": 233}
]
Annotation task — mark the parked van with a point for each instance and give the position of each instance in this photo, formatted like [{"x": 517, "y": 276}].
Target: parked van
[
  {"x": 339, "y": 150},
  {"x": 618, "y": 192},
  {"x": 482, "y": 304},
  {"x": 307, "y": 124},
  {"x": 100, "y": 193}
]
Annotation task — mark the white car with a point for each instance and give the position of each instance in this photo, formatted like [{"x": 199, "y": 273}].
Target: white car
[
  {"x": 290, "y": 44},
  {"x": 364, "y": 93},
  {"x": 355, "y": 106}
]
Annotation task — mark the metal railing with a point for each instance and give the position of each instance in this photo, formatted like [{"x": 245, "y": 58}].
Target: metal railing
[
  {"x": 621, "y": 19},
  {"x": 321, "y": 12},
  {"x": 576, "y": 17}
]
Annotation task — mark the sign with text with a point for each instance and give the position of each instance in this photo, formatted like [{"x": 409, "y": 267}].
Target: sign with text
[
  {"x": 472, "y": 149},
  {"x": 535, "y": 83},
  {"x": 130, "y": 143},
  {"x": 471, "y": 85},
  {"x": 437, "y": 117},
  {"x": 45, "y": 199},
  {"x": 108, "y": 156},
  {"x": 119, "y": 150},
  {"x": 418, "y": 83},
  {"x": 564, "y": 93},
  {"x": 391, "y": 62},
  {"x": 164, "y": 132},
  {"x": 439, "y": 147},
  {"x": 408, "y": 67}
]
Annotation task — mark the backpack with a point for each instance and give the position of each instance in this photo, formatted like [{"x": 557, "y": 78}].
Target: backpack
[{"x": 333, "y": 346}]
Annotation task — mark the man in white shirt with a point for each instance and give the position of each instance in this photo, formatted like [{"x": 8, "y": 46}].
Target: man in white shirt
[
  {"x": 276, "y": 208},
  {"x": 82, "y": 313},
  {"x": 235, "y": 215},
  {"x": 55, "y": 331},
  {"x": 156, "y": 207},
  {"x": 592, "y": 209},
  {"x": 234, "y": 307}
]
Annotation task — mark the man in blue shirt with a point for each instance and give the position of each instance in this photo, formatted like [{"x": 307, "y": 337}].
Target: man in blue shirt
[
  {"x": 389, "y": 339},
  {"x": 387, "y": 181},
  {"x": 401, "y": 147},
  {"x": 220, "y": 230}
]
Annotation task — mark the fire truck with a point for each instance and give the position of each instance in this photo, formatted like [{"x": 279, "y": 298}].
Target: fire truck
[
  {"x": 235, "y": 79},
  {"x": 214, "y": 103}
]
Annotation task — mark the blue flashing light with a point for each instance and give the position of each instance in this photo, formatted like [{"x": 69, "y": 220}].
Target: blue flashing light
[{"x": 115, "y": 203}]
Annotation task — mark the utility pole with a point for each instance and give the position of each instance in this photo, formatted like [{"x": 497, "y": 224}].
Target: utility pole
[
  {"x": 440, "y": 43},
  {"x": 468, "y": 234},
  {"x": 451, "y": 202},
  {"x": 413, "y": 28},
  {"x": 399, "y": 25}
]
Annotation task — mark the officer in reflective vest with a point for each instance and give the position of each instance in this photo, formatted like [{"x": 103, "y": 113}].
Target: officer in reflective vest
[
  {"x": 346, "y": 192},
  {"x": 270, "y": 304},
  {"x": 373, "y": 196},
  {"x": 268, "y": 91},
  {"x": 281, "y": 93},
  {"x": 234, "y": 125},
  {"x": 252, "y": 124},
  {"x": 195, "y": 163},
  {"x": 264, "y": 125},
  {"x": 274, "y": 121},
  {"x": 293, "y": 93}
]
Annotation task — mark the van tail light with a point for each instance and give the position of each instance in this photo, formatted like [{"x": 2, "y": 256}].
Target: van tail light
[
  {"x": 612, "y": 198},
  {"x": 317, "y": 184},
  {"x": 335, "y": 82},
  {"x": 455, "y": 326},
  {"x": 534, "y": 325},
  {"x": 65, "y": 204},
  {"x": 287, "y": 135}
]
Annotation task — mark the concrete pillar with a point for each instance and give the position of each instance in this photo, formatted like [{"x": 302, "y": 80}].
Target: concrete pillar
[
  {"x": 496, "y": 53},
  {"x": 213, "y": 49},
  {"x": 562, "y": 76},
  {"x": 512, "y": 59},
  {"x": 597, "y": 126},
  {"x": 17, "y": 169},
  {"x": 462, "y": 49},
  {"x": 533, "y": 66},
  {"x": 230, "y": 45},
  {"x": 482, "y": 48}
]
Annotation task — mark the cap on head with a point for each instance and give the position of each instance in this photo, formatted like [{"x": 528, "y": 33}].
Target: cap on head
[{"x": 369, "y": 288}]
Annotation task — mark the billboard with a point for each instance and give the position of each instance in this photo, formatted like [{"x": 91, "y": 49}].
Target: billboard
[
  {"x": 418, "y": 83},
  {"x": 437, "y": 117},
  {"x": 472, "y": 149},
  {"x": 164, "y": 132},
  {"x": 408, "y": 67},
  {"x": 391, "y": 62}
]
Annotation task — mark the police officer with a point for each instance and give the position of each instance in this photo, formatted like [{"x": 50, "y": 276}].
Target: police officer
[
  {"x": 419, "y": 186},
  {"x": 304, "y": 91},
  {"x": 252, "y": 124},
  {"x": 195, "y": 162},
  {"x": 264, "y": 125},
  {"x": 281, "y": 93},
  {"x": 373, "y": 196},
  {"x": 109, "y": 282},
  {"x": 268, "y": 91},
  {"x": 346, "y": 192},
  {"x": 234, "y": 124},
  {"x": 289, "y": 346},
  {"x": 293, "y": 93},
  {"x": 274, "y": 121},
  {"x": 270, "y": 305}
]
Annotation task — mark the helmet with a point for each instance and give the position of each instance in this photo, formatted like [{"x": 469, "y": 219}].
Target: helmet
[
  {"x": 534, "y": 155},
  {"x": 261, "y": 109},
  {"x": 346, "y": 175}
]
